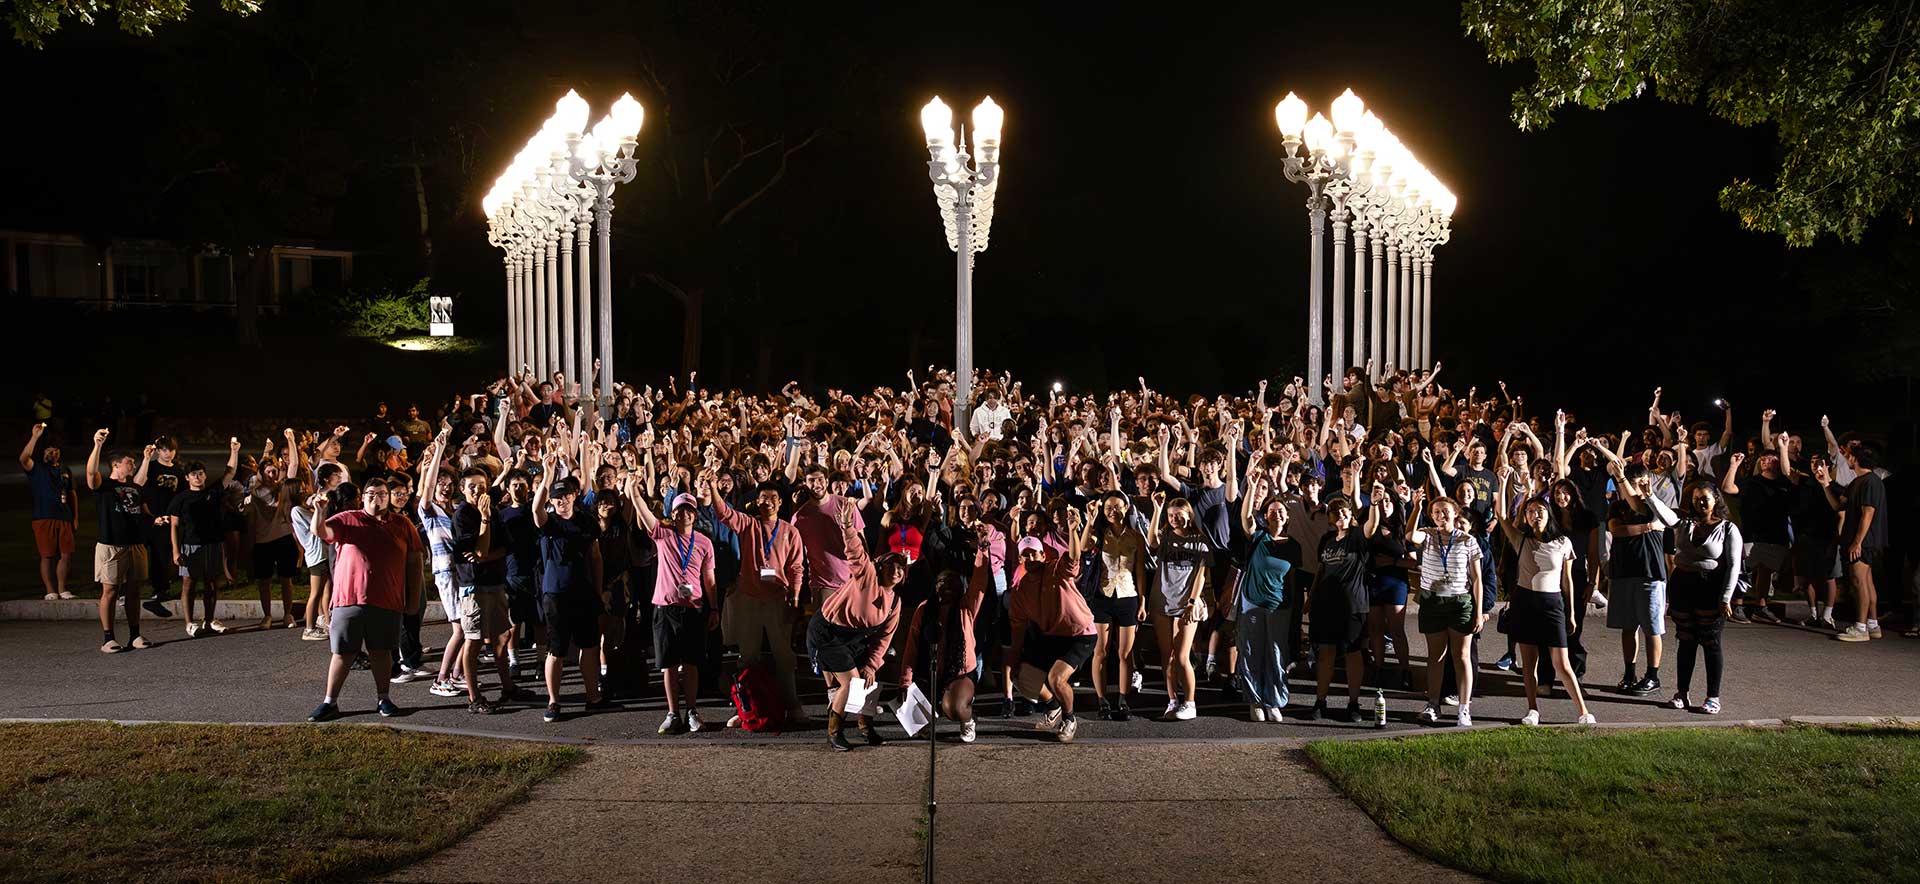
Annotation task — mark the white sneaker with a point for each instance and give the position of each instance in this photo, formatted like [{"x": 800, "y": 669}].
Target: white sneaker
[
  {"x": 408, "y": 676},
  {"x": 1139, "y": 682},
  {"x": 694, "y": 724},
  {"x": 1173, "y": 706},
  {"x": 1257, "y": 713},
  {"x": 1273, "y": 715},
  {"x": 217, "y": 627},
  {"x": 193, "y": 629},
  {"x": 53, "y": 597},
  {"x": 1530, "y": 719},
  {"x": 443, "y": 689},
  {"x": 1827, "y": 622},
  {"x": 140, "y": 643},
  {"x": 1587, "y": 719},
  {"x": 1429, "y": 715},
  {"x": 1855, "y": 633},
  {"x": 1452, "y": 700},
  {"x": 967, "y": 733},
  {"x": 65, "y": 594},
  {"x": 733, "y": 721},
  {"x": 1186, "y": 712},
  {"x": 1465, "y": 718},
  {"x": 111, "y": 647},
  {"x": 1599, "y": 601},
  {"x": 1068, "y": 727}
]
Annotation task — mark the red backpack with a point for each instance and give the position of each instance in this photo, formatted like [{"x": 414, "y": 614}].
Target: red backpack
[{"x": 755, "y": 700}]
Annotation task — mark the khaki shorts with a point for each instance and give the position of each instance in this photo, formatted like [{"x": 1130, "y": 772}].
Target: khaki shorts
[
  {"x": 483, "y": 613},
  {"x": 119, "y": 565}
]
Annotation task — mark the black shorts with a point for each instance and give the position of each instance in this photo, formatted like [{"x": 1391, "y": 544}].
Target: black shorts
[
  {"x": 233, "y": 523},
  {"x": 1115, "y": 610},
  {"x": 279, "y": 557},
  {"x": 1041, "y": 651},
  {"x": 1816, "y": 560},
  {"x": 523, "y": 601},
  {"x": 679, "y": 636},
  {"x": 1869, "y": 556},
  {"x": 573, "y": 624}
]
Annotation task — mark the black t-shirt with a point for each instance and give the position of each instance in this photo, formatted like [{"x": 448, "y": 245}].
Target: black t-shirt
[
  {"x": 1642, "y": 556},
  {"x": 515, "y": 524},
  {"x": 1211, "y": 513},
  {"x": 1483, "y": 482},
  {"x": 466, "y": 539},
  {"x": 1867, "y": 490},
  {"x": 1766, "y": 509},
  {"x": 1593, "y": 490},
  {"x": 1343, "y": 564},
  {"x": 926, "y": 432},
  {"x": 123, "y": 517},
  {"x": 163, "y": 482},
  {"x": 566, "y": 553},
  {"x": 199, "y": 514},
  {"x": 1813, "y": 518}
]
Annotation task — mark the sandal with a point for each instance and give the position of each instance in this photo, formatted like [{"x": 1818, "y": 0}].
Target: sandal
[{"x": 1910, "y": 632}]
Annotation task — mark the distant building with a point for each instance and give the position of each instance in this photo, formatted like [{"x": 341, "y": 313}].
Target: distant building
[{"x": 128, "y": 272}]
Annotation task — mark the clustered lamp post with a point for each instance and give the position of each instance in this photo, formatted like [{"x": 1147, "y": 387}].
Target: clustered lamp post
[
  {"x": 964, "y": 191},
  {"x": 541, "y": 212},
  {"x": 1354, "y": 168}
]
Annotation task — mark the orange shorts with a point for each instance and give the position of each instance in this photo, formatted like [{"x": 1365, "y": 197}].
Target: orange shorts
[{"x": 53, "y": 537}]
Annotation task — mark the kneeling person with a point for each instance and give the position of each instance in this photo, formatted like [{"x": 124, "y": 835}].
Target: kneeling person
[{"x": 1053, "y": 634}]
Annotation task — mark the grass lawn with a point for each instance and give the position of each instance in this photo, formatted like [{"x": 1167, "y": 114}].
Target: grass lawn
[
  {"x": 1715, "y": 804},
  {"x": 90, "y": 802}
]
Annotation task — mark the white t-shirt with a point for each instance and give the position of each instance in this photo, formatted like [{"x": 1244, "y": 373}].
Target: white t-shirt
[{"x": 987, "y": 420}]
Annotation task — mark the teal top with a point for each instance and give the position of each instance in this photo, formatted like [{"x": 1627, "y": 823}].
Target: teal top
[{"x": 1269, "y": 561}]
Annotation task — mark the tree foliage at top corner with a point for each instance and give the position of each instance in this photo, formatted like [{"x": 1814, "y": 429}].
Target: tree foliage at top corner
[
  {"x": 1838, "y": 79},
  {"x": 33, "y": 21}
]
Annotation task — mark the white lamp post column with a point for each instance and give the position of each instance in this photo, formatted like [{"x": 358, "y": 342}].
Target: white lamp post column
[
  {"x": 964, "y": 188},
  {"x": 583, "y": 291},
  {"x": 1337, "y": 193},
  {"x": 1393, "y": 297},
  {"x": 601, "y": 160}
]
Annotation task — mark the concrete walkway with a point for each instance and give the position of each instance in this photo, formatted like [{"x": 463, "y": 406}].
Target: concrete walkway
[{"x": 1008, "y": 813}]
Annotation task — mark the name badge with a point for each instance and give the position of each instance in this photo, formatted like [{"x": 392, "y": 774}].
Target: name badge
[
  {"x": 766, "y": 574},
  {"x": 686, "y": 592}
]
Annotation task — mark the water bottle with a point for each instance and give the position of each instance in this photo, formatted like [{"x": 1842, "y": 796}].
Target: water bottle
[{"x": 1379, "y": 708}]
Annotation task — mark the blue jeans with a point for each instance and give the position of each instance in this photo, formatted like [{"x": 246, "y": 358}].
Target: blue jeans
[{"x": 1263, "y": 655}]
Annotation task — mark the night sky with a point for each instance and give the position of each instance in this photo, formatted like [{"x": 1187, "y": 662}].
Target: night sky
[{"x": 1143, "y": 223}]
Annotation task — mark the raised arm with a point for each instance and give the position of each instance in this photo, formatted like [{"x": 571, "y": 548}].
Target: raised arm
[
  {"x": 1728, "y": 486},
  {"x": 33, "y": 440},
  {"x": 93, "y": 459},
  {"x": 541, "y": 490},
  {"x": 1502, "y": 510}
]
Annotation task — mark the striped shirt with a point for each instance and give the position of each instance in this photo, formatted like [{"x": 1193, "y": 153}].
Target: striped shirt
[{"x": 1447, "y": 563}]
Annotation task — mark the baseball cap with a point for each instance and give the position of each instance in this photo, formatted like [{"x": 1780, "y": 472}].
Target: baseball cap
[
  {"x": 1030, "y": 542},
  {"x": 683, "y": 502},
  {"x": 394, "y": 443}
]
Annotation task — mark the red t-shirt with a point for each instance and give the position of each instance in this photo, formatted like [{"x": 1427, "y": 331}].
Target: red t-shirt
[{"x": 371, "y": 568}]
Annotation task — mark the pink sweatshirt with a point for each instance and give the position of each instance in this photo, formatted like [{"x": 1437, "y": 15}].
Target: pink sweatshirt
[
  {"x": 861, "y": 603},
  {"x": 1049, "y": 599},
  {"x": 969, "y": 611}
]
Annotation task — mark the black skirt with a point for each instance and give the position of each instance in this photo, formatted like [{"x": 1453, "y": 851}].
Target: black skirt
[
  {"x": 1538, "y": 619},
  {"x": 841, "y": 648}
]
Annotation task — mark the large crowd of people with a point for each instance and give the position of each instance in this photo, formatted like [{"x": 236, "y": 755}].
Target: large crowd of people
[{"x": 1000, "y": 555}]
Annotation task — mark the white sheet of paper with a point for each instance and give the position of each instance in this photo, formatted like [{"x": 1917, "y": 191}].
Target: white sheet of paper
[
  {"x": 857, "y": 694},
  {"x": 915, "y": 711}
]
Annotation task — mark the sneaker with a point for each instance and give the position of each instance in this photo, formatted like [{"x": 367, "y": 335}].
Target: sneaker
[
  {"x": 1829, "y": 624},
  {"x": 1505, "y": 663},
  {"x": 480, "y": 707},
  {"x": 289, "y": 623},
  {"x": 1739, "y": 615},
  {"x": 1186, "y": 712},
  {"x": 217, "y": 627},
  {"x": 1711, "y": 707},
  {"x": 1139, "y": 682},
  {"x": 1531, "y": 718},
  {"x": 1173, "y": 705},
  {"x": 408, "y": 675},
  {"x": 1463, "y": 718},
  {"x": 733, "y": 721},
  {"x": 1067, "y": 729},
  {"x": 1645, "y": 687},
  {"x": 140, "y": 643},
  {"x": 458, "y": 682},
  {"x": 694, "y": 724},
  {"x": 266, "y": 623},
  {"x": 1873, "y": 630},
  {"x": 1452, "y": 700},
  {"x": 1352, "y": 712},
  {"x": 193, "y": 630},
  {"x": 1764, "y": 614},
  {"x": 1006, "y": 708},
  {"x": 1256, "y": 713},
  {"x": 111, "y": 647},
  {"x": 1679, "y": 701},
  {"x": 1626, "y": 684},
  {"x": 1120, "y": 710},
  {"x": 1430, "y": 715},
  {"x": 1855, "y": 633},
  {"x": 157, "y": 608},
  {"x": 1051, "y": 721},
  {"x": 445, "y": 689},
  {"x": 65, "y": 594},
  {"x": 386, "y": 708},
  {"x": 1106, "y": 708},
  {"x": 1212, "y": 669},
  {"x": 1313, "y": 712},
  {"x": 1273, "y": 715},
  {"x": 52, "y": 597},
  {"x": 323, "y": 712},
  {"x": 552, "y": 714},
  {"x": 671, "y": 725},
  {"x": 360, "y": 663},
  {"x": 313, "y": 635},
  {"x": 1386, "y": 646},
  {"x": 1598, "y": 601},
  {"x": 967, "y": 732}
]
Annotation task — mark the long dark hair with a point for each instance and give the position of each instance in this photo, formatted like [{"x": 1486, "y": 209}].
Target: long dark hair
[{"x": 1719, "y": 511}]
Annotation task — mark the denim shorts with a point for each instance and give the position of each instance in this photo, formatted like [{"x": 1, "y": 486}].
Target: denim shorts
[
  {"x": 1386, "y": 589},
  {"x": 1638, "y": 604}
]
